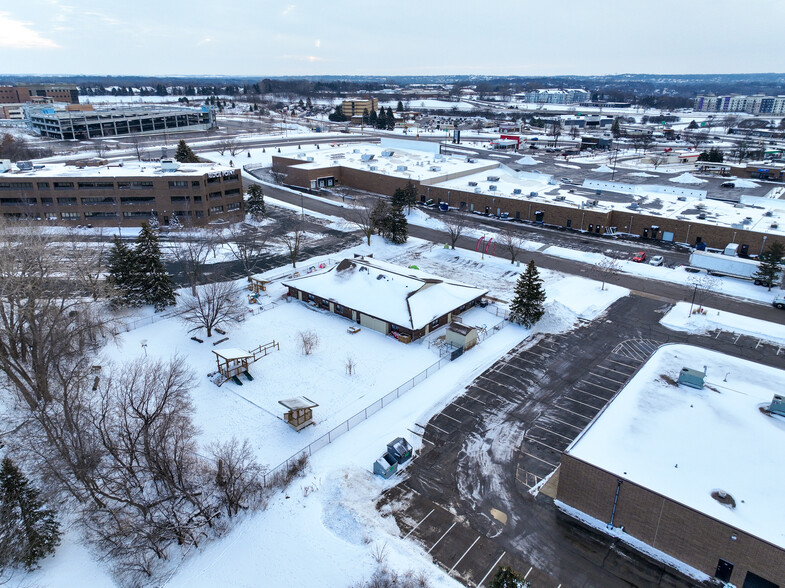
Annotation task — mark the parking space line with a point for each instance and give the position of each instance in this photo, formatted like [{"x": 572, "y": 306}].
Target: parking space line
[
  {"x": 444, "y": 414},
  {"x": 579, "y": 402},
  {"x": 565, "y": 423},
  {"x": 456, "y": 405},
  {"x": 760, "y": 341},
  {"x": 606, "y": 378},
  {"x": 529, "y": 572},
  {"x": 536, "y": 354},
  {"x": 418, "y": 524},
  {"x": 475, "y": 399},
  {"x": 719, "y": 332},
  {"x": 583, "y": 416},
  {"x": 778, "y": 350},
  {"x": 493, "y": 567},
  {"x": 736, "y": 340},
  {"x": 553, "y": 432},
  {"x": 622, "y": 363},
  {"x": 442, "y": 537},
  {"x": 438, "y": 429},
  {"x": 523, "y": 359},
  {"x": 598, "y": 386},
  {"x": 464, "y": 554},
  {"x": 476, "y": 385},
  {"x": 543, "y": 444},
  {"x": 613, "y": 370},
  {"x": 589, "y": 393},
  {"x": 539, "y": 459}
]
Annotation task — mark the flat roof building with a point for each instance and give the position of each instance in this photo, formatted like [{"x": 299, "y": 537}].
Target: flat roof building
[
  {"x": 123, "y": 194},
  {"x": 696, "y": 473},
  {"x": 57, "y": 92},
  {"x": 98, "y": 124},
  {"x": 356, "y": 106}
]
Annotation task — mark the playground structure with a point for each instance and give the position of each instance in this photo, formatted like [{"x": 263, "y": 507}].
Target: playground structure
[
  {"x": 256, "y": 287},
  {"x": 300, "y": 413},
  {"x": 233, "y": 362}
]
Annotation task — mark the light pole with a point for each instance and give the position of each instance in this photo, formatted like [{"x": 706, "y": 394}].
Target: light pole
[{"x": 694, "y": 292}]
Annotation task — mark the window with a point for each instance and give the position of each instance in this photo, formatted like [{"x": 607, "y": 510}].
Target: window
[
  {"x": 214, "y": 195},
  {"x": 43, "y": 185},
  {"x": 178, "y": 183},
  {"x": 232, "y": 192},
  {"x": 64, "y": 185},
  {"x": 66, "y": 201},
  {"x": 16, "y": 185},
  {"x": 100, "y": 214},
  {"x": 137, "y": 199},
  {"x": 196, "y": 184},
  {"x": 197, "y": 198},
  {"x": 199, "y": 213},
  {"x": 47, "y": 201},
  {"x": 216, "y": 209},
  {"x": 136, "y": 214},
  {"x": 98, "y": 200},
  {"x": 95, "y": 185},
  {"x": 180, "y": 199},
  {"x": 338, "y": 308},
  {"x": 232, "y": 207},
  {"x": 135, "y": 185},
  {"x": 70, "y": 215},
  {"x": 325, "y": 303},
  {"x": 310, "y": 298},
  {"x": 51, "y": 216},
  {"x": 435, "y": 324},
  {"x": 17, "y": 201}
]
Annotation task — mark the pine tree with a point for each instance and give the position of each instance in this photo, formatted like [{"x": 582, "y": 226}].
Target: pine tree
[
  {"x": 30, "y": 532},
  {"x": 390, "y": 119},
  {"x": 381, "y": 120},
  {"x": 770, "y": 265},
  {"x": 692, "y": 126},
  {"x": 254, "y": 206},
  {"x": 149, "y": 273},
  {"x": 616, "y": 128},
  {"x": 398, "y": 226},
  {"x": 366, "y": 117},
  {"x": 184, "y": 153},
  {"x": 124, "y": 290},
  {"x": 527, "y": 306},
  {"x": 308, "y": 104},
  {"x": 508, "y": 578},
  {"x": 373, "y": 118},
  {"x": 399, "y": 108}
]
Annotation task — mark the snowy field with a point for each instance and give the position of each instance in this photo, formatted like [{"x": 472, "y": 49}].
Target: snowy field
[{"x": 328, "y": 516}]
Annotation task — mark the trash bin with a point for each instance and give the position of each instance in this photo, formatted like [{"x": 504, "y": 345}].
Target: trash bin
[
  {"x": 400, "y": 449},
  {"x": 385, "y": 466}
]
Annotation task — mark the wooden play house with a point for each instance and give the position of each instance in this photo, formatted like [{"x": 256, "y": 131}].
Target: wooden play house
[
  {"x": 300, "y": 413},
  {"x": 233, "y": 362},
  {"x": 256, "y": 285}
]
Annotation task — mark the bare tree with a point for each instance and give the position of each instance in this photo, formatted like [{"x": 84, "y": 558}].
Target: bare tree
[
  {"x": 511, "y": 242},
  {"x": 223, "y": 146},
  {"x": 277, "y": 176},
  {"x": 658, "y": 159},
  {"x": 191, "y": 250},
  {"x": 235, "y": 148},
  {"x": 351, "y": 365},
  {"x": 455, "y": 224},
  {"x": 729, "y": 122},
  {"x": 696, "y": 139},
  {"x": 212, "y": 305},
  {"x": 703, "y": 285},
  {"x": 238, "y": 476},
  {"x": 247, "y": 244},
  {"x": 606, "y": 268},
  {"x": 362, "y": 215},
  {"x": 555, "y": 131},
  {"x": 293, "y": 240},
  {"x": 309, "y": 341},
  {"x": 137, "y": 144}
]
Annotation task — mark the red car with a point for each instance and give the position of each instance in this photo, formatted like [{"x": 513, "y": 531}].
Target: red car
[{"x": 639, "y": 257}]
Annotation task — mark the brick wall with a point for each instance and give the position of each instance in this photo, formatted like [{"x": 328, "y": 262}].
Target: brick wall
[{"x": 673, "y": 528}]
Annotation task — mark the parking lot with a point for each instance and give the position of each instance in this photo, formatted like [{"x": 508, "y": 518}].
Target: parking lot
[{"x": 466, "y": 497}]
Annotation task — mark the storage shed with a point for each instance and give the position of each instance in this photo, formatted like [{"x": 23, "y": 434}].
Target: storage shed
[
  {"x": 300, "y": 413},
  {"x": 461, "y": 336}
]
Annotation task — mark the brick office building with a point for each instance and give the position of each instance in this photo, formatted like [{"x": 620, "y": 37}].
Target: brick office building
[
  {"x": 126, "y": 195},
  {"x": 695, "y": 473},
  {"x": 56, "y": 92}
]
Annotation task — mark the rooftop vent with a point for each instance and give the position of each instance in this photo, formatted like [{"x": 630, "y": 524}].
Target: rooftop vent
[
  {"x": 373, "y": 168},
  {"x": 401, "y": 168},
  {"x": 493, "y": 178},
  {"x": 560, "y": 198},
  {"x": 169, "y": 165},
  {"x": 366, "y": 157},
  {"x": 477, "y": 191},
  {"x": 24, "y": 165},
  {"x": 355, "y": 150},
  {"x": 492, "y": 188},
  {"x": 692, "y": 378},
  {"x": 516, "y": 190},
  {"x": 434, "y": 168},
  {"x": 472, "y": 183},
  {"x": 388, "y": 153}
]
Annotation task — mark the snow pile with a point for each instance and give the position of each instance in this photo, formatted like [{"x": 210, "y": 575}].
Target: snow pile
[
  {"x": 679, "y": 319},
  {"x": 687, "y": 178},
  {"x": 603, "y": 169},
  {"x": 527, "y": 160},
  {"x": 643, "y": 175}
]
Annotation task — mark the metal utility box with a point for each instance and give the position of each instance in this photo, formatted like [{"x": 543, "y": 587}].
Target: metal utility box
[
  {"x": 385, "y": 466},
  {"x": 692, "y": 378},
  {"x": 400, "y": 449},
  {"x": 777, "y": 405}
]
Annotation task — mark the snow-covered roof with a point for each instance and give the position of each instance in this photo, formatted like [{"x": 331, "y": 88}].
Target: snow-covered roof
[
  {"x": 686, "y": 443},
  {"x": 127, "y": 169},
  {"x": 232, "y": 353},
  {"x": 401, "y": 296}
]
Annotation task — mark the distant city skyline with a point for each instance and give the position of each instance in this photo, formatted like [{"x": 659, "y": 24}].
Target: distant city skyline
[{"x": 438, "y": 37}]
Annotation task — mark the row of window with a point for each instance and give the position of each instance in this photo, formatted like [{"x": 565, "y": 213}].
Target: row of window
[
  {"x": 94, "y": 185},
  {"x": 109, "y": 200}
]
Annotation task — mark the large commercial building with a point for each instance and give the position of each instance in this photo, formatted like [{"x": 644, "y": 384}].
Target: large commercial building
[
  {"x": 356, "y": 106},
  {"x": 97, "y": 124},
  {"x": 689, "y": 462},
  {"x": 58, "y": 93},
  {"x": 756, "y": 104},
  {"x": 121, "y": 194},
  {"x": 553, "y": 96}
]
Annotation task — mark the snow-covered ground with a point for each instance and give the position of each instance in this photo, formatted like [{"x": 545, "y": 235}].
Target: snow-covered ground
[
  {"x": 680, "y": 319},
  {"x": 328, "y": 516}
]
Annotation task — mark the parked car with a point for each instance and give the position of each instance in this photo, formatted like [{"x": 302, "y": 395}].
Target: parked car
[
  {"x": 533, "y": 147},
  {"x": 639, "y": 257},
  {"x": 656, "y": 260},
  {"x": 779, "y": 302},
  {"x": 566, "y": 181},
  {"x": 727, "y": 185}
]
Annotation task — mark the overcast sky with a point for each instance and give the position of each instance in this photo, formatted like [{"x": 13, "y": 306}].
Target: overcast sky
[{"x": 401, "y": 37}]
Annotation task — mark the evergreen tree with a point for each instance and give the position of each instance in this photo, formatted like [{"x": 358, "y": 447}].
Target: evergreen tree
[
  {"x": 308, "y": 104},
  {"x": 366, "y": 117},
  {"x": 508, "y": 578},
  {"x": 28, "y": 531},
  {"x": 398, "y": 226},
  {"x": 337, "y": 115},
  {"x": 770, "y": 265},
  {"x": 692, "y": 126},
  {"x": 398, "y": 198},
  {"x": 254, "y": 206},
  {"x": 373, "y": 118},
  {"x": 150, "y": 275},
  {"x": 390, "y": 119},
  {"x": 184, "y": 153},
  {"x": 381, "y": 120},
  {"x": 616, "y": 128},
  {"x": 527, "y": 307},
  {"x": 124, "y": 290},
  {"x": 399, "y": 108}
]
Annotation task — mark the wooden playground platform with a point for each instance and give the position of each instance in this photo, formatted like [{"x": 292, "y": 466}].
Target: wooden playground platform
[{"x": 233, "y": 362}]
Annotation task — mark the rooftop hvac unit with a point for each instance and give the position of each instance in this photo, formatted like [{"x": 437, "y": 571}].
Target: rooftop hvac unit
[
  {"x": 5, "y": 165},
  {"x": 169, "y": 165},
  {"x": 401, "y": 168},
  {"x": 435, "y": 168},
  {"x": 533, "y": 194},
  {"x": 777, "y": 405},
  {"x": 366, "y": 157},
  {"x": 472, "y": 183},
  {"x": 388, "y": 153},
  {"x": 560, "y": 198},
  {"x": 492, "y": 188},
  {"x": 493, "y": 178},
  {"x": 633, "y": 206},
  {"x": 373, "y": 168},
  {"x": 355, "y": 150},
  {"x": 309, "y": 158},
  {"x": 702, "y": 216},
  {"x": 24, "y": 165},
  {"x": 477, "y": 191},
  {"x": 516, "y": 191},
  {"x": 470, "y": 160},
  {"x": 767, "y": 213}
]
